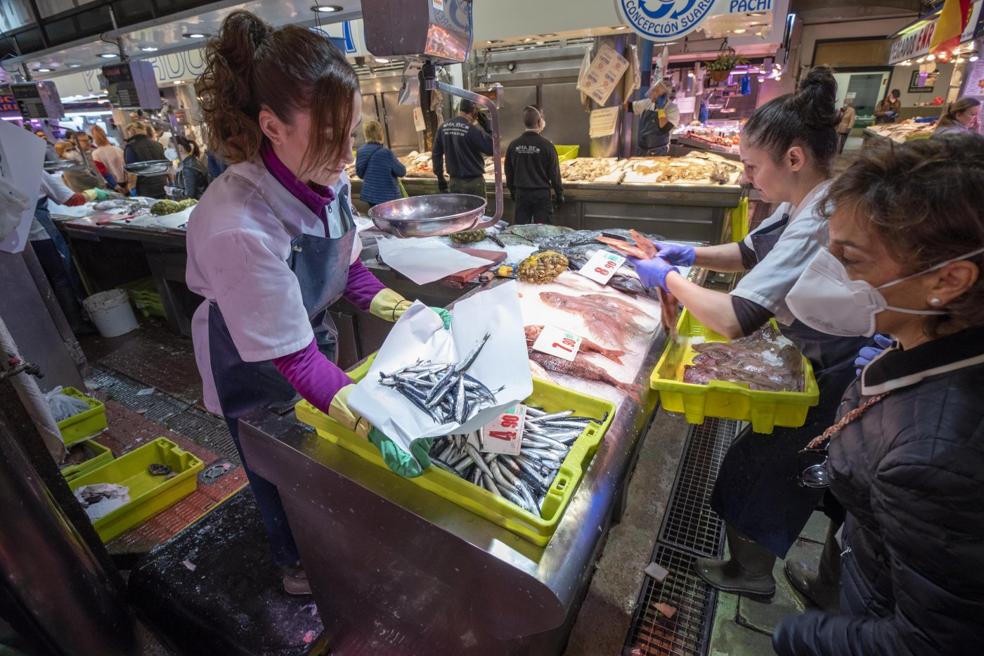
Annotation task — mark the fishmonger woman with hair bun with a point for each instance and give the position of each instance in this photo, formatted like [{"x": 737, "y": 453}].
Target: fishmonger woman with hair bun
[
  {"x": 787, "y": 147},
  {"x": 272, "y": 244}
]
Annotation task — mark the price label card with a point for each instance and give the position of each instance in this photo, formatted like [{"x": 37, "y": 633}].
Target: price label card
[
  {"x": 505, "y": 433},
  {"x": 602, "y": 266},
  {"x": 557, "y": 342}
]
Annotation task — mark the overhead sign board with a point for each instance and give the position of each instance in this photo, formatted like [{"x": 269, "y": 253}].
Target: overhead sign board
[
  {"x": 667, "y": 20},
  {"x": 38, "y": 99},
  {"x": 916, "y": 40},
  {"x": 132, "y": 85}
]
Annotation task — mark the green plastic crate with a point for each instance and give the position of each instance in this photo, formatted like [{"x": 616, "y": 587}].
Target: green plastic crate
[
  {"x": 85, "y": 424},
  {"x": 565, "y": 153},
  {"x": 723, "y": 399},
  {"x": 99, "y": 455},
  {"x": 500, "y": 511},
  {"x": 149, "y": 494}
]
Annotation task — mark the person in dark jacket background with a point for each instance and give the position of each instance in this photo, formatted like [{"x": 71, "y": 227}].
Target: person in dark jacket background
[
  {"x": 141, "y": 148},
  {"x": 463, "y": 143},
  {"x": 907, "y": 463},
  {"x": 532, "y": 169},
  {"x": 192, "y": 178},
  {"x": 378, "y": 167}
]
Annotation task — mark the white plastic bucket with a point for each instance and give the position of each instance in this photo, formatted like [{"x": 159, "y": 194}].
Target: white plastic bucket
[{"x": 111, "y": 312}]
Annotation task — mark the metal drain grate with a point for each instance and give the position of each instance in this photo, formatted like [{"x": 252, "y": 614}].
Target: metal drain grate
[
  {"x": 687, "y": 632},
  {"x": 197, "y": 425},
  {"x": 689, "y": 523},
  {"x": 206, "y": 429},
  {"x": 155, "y": 406}
]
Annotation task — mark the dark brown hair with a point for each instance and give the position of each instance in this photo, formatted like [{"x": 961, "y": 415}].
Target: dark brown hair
[
  {"x": 959, "y": 106},
  {"x": 249, "y": 65},
  {"x": 922, "y": 201},
  {"x": 807, "y": 118},
  {"x": 188, "y": 144}
]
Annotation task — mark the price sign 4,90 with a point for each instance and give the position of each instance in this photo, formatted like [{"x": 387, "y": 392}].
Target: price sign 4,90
[
  {"x": 602, "y": 266},
  {"x": 504, "y": 434}
]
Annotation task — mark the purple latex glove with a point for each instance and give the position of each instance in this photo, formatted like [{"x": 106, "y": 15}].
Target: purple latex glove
[
  {"x": 676, "y": 253},
  {"x": 869, "y": 353},
  {"x": 653, "y": 272}
]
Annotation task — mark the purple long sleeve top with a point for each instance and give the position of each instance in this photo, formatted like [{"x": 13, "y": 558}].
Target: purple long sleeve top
[{"x": 316, "y": 378}]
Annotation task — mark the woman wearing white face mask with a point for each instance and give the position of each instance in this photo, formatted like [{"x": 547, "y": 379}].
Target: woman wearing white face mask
[
  {"x": 786, "y": 146},
  {"x": 906, "y": 459}
]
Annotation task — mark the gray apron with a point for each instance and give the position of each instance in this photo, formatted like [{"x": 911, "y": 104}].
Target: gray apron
[
  {"x": 757, "y": 490},
  {"x": 321, "y": 265}
]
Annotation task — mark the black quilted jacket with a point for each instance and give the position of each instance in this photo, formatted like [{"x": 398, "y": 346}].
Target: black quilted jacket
[{"x": 910, "y": 473}]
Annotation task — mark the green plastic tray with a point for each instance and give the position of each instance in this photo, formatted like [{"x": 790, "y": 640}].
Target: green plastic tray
[
  {"x": 99, "y": 456},
  {"x": 565, "y": 153},
  {"x": 723, "y": 399},
  {"x": 149, "y": 494},
  {"x": 85, "y": 424},
  {"x": 500, "y": 511}
]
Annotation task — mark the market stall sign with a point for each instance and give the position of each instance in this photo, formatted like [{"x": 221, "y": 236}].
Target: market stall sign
[
  {"x": 603, "y": 75},
  {"x": 504, "y": 434},
  {"x": 667, "y": 20},
  {"x": 917, "y": 39},
  {"x": 602, "y": 122},
  {"x": 557, "y": 342},
  {"x": 8, "y": 104},
  {"x": 38, "y": 99},
  {"x": 601, "y": 266}
]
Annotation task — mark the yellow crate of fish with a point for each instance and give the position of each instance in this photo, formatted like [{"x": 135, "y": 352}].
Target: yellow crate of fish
[
  {"x": 724, "y": 399},
  {"x": 537, "y": 529}
]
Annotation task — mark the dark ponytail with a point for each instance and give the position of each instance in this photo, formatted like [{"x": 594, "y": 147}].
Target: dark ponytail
[
  {"x": 807, "y": 118},
  {"x": 249, "y": 65},
  {"x": 189, "y": 145}
]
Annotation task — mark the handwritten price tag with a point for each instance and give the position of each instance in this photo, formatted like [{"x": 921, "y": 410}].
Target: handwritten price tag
[
  {"x": 505, "y": 433},
  {"x": 557, "y": 342},
  {"x": 602, "y": 266}
]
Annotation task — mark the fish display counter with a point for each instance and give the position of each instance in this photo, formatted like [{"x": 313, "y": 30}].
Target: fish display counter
[
  {"x": 684, "y": 198},
  {"x": 436, "y": 576}
]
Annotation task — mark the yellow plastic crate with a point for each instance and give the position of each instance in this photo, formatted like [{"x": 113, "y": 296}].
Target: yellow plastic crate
[
  {"x": 722, "y": 399},
  {"x": 85, "y": 424},
  {"x": 504, "y": 513},
  {"x": 99, "y": 455},
  {"x": 149, "y": 494},
  {"x": 565, "y": 153}
]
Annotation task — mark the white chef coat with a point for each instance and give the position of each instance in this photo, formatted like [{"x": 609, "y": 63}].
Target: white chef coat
[
  {"x": 239, "y": 240},
  {"x": 771, "y": 279},
  {"x": 671, "y": 109}
]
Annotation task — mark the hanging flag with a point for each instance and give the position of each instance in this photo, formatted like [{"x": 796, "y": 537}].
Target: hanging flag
[{"x": 950, "y": 24}]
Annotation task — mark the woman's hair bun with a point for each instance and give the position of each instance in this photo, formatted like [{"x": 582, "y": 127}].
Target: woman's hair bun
[
  {"x": 242, "y": 35},
  {"x": 817, "y": 98}
]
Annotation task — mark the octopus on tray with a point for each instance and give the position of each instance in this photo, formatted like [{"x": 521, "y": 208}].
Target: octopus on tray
[{"x": 764, "y": 361}]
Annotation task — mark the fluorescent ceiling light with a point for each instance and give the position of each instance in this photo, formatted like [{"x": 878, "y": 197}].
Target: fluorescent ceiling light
[
  {"x": 149, "y": 49},
  {"x": 326, "y": 9},
  {"x": 108, "y": 55},
  {"x": 195, "y": 35}
]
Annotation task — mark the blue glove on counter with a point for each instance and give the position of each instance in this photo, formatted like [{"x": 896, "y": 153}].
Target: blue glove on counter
[
  {"x": 401, "y": 463},
  {"x": 678, "y": 254},
  {"x": 445, "y": 316},
  {"x": 653, "y": 272},
  {"x": 869, "y": 353}
]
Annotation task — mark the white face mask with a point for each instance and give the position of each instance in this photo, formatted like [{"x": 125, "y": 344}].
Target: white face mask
[
  {"x": 826, "y": 299},
  {"x": 170, "y": 153}
]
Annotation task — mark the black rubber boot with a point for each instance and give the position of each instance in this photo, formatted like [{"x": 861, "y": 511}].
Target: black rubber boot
[
  {"x": 823, "y": 588},
  {"x": 749, "y": 572}
]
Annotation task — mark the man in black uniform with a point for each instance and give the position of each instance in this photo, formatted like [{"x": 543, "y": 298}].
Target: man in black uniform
[
  {"x": 532, "y": 168},
  {"x": 463, "y": 142}
]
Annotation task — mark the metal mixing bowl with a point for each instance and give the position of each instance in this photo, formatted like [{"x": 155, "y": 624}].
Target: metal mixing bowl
[{"x": 428, "y": 216}]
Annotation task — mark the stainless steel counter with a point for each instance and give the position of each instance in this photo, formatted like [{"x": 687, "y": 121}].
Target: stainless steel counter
[
  {"x": 397, "y": 569},
  {"x": 681, "y": 212}
]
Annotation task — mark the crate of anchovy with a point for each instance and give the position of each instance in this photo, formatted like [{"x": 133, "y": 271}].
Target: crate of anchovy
[
  {"x": 762, "y": 379},
  {"x": 525, "y": 494}
]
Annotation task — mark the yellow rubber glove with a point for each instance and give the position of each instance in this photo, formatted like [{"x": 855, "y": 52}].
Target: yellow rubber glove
[
  {"x": 340, "y": 411},
  {"x": 388, "y": 305}
]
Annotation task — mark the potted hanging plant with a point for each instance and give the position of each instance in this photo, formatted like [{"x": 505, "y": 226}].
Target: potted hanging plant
[{"x": 726, "y": 61}]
